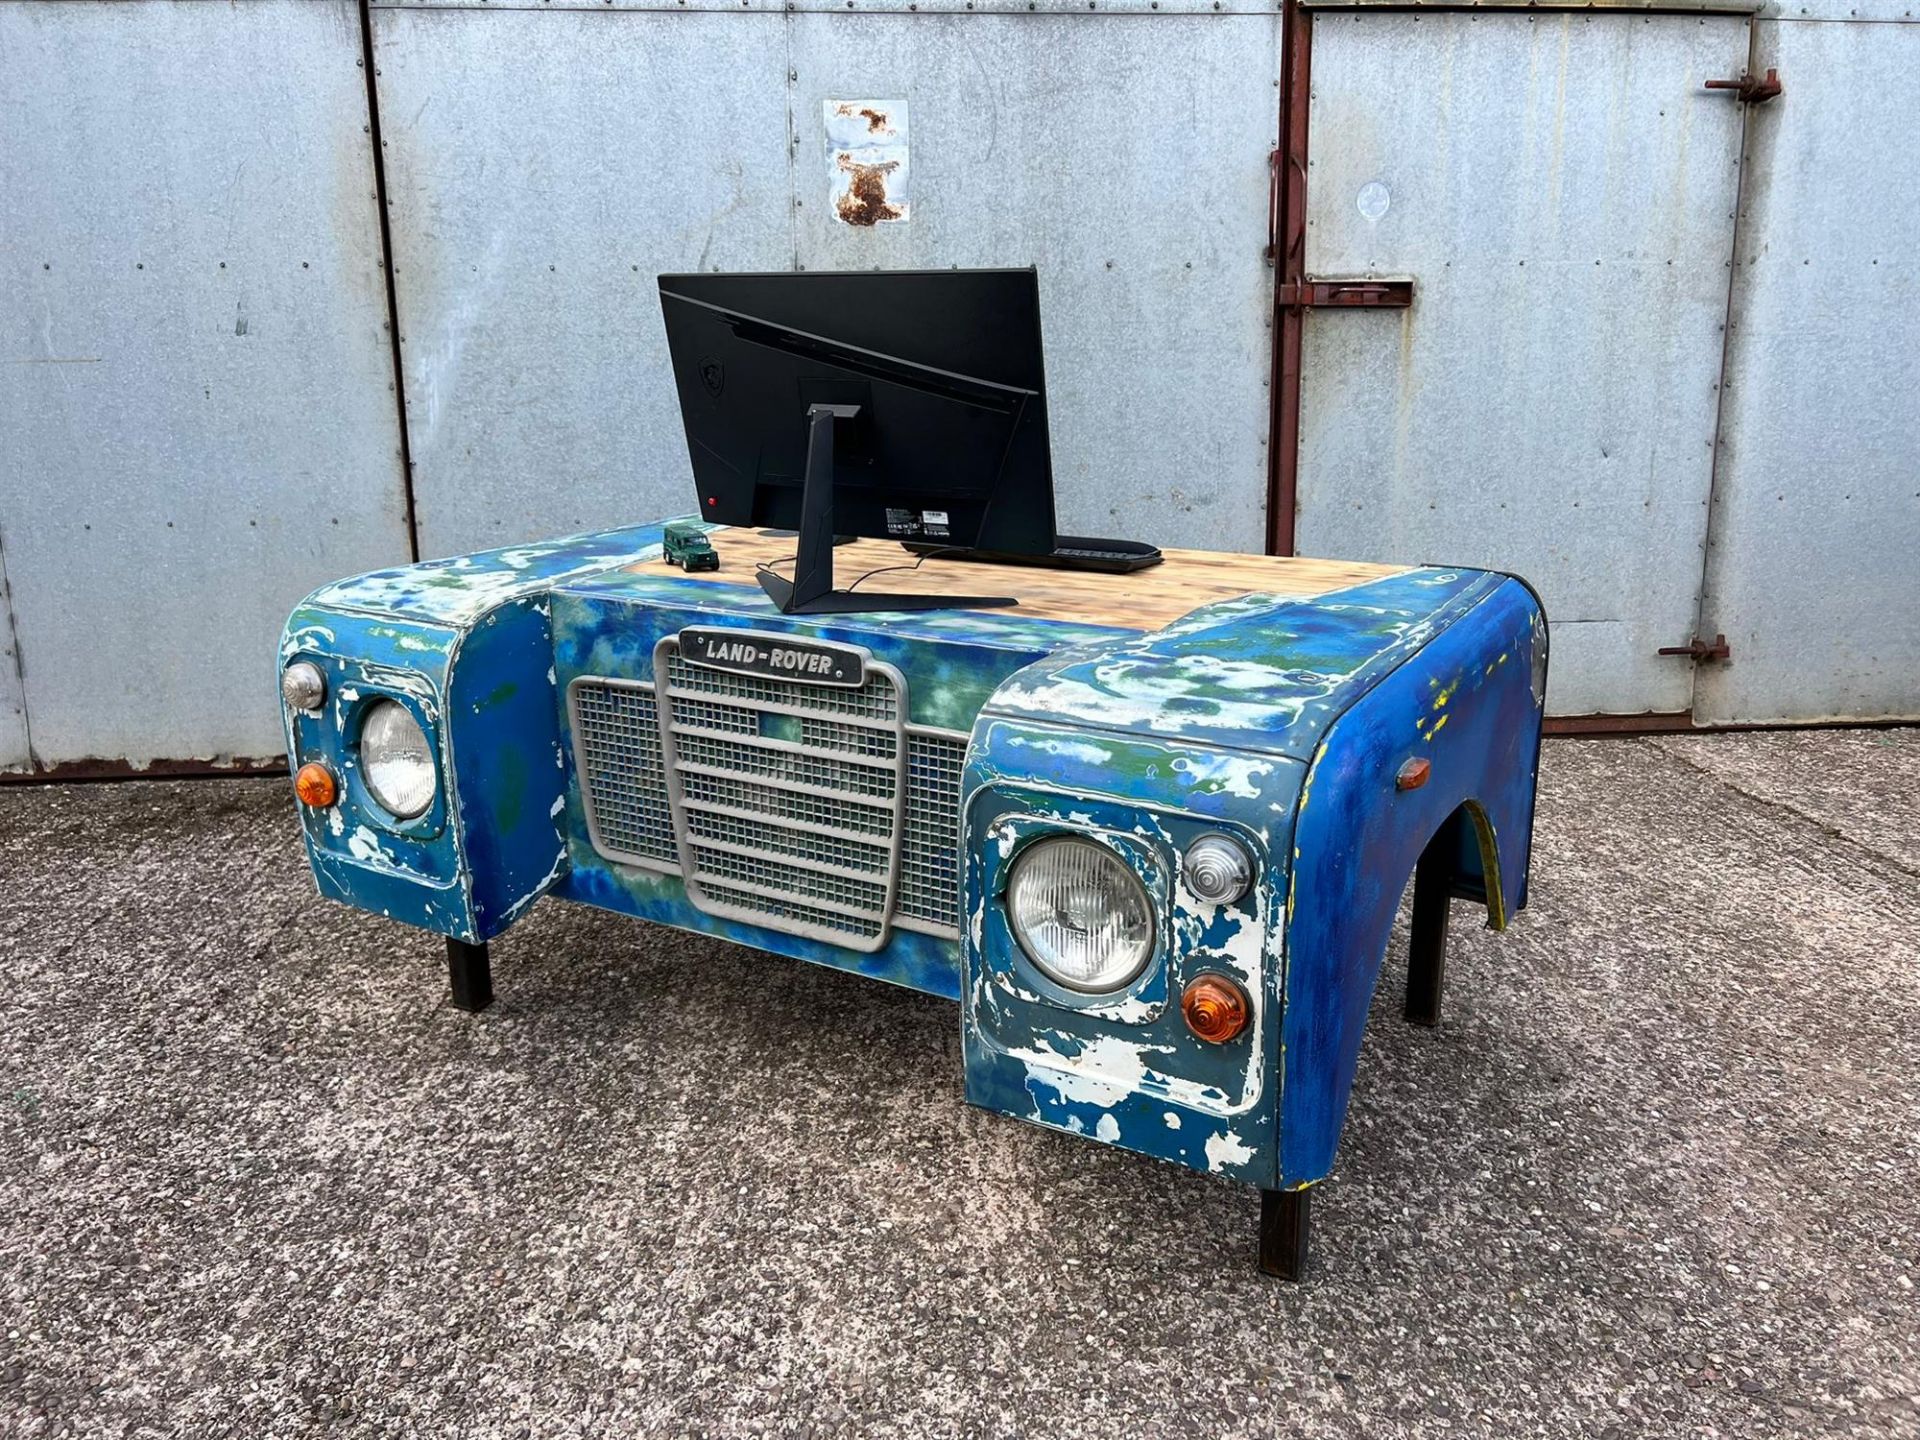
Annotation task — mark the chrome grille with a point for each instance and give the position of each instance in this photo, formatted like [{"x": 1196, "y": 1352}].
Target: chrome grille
[
  {"x": 812, "y": 809},
  {"x": 829, "y": 924},
  {"x": 794, "y": 808},
  {"x": 785, "y": 763},
  {"x": 843, "y": 852}
]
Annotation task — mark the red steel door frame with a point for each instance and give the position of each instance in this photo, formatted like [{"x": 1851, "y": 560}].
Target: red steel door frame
[{"x": 1287, "y": 246}]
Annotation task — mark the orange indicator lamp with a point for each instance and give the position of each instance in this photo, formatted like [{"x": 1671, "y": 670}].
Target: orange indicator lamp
[{"x": 315, "y": 785}]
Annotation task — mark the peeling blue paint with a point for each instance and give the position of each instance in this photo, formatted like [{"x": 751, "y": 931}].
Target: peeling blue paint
[
  {"x": 1260, "y": 673},
  {"x": 1281, "y": 722},
  {"x": 1466, "y": 705}
]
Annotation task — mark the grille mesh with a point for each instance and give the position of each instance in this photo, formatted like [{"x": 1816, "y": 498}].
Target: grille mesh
[
  {"x": 772, "y": 882},
  {"x": 789, "y": 797},
  {"x": 837, "y": 744},
  {"x": 930, "y": 843},
  {"x": 616, "y": 743}
]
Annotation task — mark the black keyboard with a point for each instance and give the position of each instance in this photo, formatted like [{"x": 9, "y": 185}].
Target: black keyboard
[{"x": 1070, "y": 552}]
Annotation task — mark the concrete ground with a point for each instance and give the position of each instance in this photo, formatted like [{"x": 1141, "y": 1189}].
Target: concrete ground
[{"x": 1658, "y": 1174}]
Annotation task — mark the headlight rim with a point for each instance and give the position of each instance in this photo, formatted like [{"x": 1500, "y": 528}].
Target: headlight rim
[
  {"x": 373, "y": 707},
  {"x": 1079, "y": 991}
]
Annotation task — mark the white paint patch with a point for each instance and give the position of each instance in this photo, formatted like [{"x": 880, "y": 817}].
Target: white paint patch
[
  {"x": 1106, "y": 1071},
  {"x": 1068, "y": 749},
  {"x": 307, "y": 637},
  {"x": 363, "y": 844},
  {"x": 1173, "y": 1120},
  {"x": 1108, "y": 1129},
  {"x": 1227, "y": 1149},
  {"x": 1131, "y": 1011}
]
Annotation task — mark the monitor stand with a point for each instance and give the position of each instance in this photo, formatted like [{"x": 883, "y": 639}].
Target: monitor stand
[{"x": 811, "y": 591}]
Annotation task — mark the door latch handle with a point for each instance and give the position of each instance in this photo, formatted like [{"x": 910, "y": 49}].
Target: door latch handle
[
  {"x": 1375, "y": 294},
  {"x": 1750, "y": 89},
  {"x": 1700, "y": 651}
]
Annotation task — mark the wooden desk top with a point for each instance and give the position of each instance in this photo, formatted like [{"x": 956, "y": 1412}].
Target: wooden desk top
[{"x": 1144, "y": 600}]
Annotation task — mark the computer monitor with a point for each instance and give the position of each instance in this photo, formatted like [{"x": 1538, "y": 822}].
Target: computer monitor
[{"x": 906, "y": 405}]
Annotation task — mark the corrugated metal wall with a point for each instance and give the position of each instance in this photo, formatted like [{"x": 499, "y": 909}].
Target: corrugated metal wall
[
  {"x": 197, "y": 419},
  {"x": 544, "y": 166},
  {"x": 197, "y": 415}
]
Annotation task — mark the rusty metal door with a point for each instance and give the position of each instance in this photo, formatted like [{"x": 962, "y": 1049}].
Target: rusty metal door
[{"x": 1560, "y": 190}]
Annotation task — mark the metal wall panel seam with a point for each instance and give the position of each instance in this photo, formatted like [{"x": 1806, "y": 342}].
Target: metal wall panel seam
[
  {"x": 1596, "y": 7},
  {"x": 382, "y": 204},
  {"x": 18, "y": 666},
  {"x": 793, "y": 145}
]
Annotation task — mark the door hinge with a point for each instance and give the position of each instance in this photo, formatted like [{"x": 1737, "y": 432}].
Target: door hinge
[
  {"x": 1369, "y": 293},
  {"x": 1750, "y": 89},
  {"x": 1699, "y": 651}
]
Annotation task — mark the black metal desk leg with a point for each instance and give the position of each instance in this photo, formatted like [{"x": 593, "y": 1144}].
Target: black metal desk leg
[
  {"x": 1284, "y": 1216},
  {"x": 470, "y": 973},
  {"x": 1427, "y": 957}
]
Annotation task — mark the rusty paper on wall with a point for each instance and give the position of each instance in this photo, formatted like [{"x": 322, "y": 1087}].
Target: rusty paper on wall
[{"x": 867, "y": 181}]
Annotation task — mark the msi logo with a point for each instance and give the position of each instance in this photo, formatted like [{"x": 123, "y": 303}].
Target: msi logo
[{"x": 713, "y": 375}]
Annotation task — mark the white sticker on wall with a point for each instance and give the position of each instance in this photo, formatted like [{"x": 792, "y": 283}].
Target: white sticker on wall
[{"x": 867, "y": 161}]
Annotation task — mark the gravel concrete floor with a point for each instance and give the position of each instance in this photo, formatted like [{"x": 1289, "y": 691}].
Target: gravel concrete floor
[{"x": 1656, "y": 1175}]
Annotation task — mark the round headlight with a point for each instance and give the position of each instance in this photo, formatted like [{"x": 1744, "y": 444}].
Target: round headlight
[
  {"x": 1218, "y": 869},
  {"x": 1080, "y": 913},
  {"x": 395, "y": 759},
  {"x": 302, "y": 685}
]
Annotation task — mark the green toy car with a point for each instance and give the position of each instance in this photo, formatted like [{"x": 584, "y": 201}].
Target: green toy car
[{"x": 688, "y": 547}]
